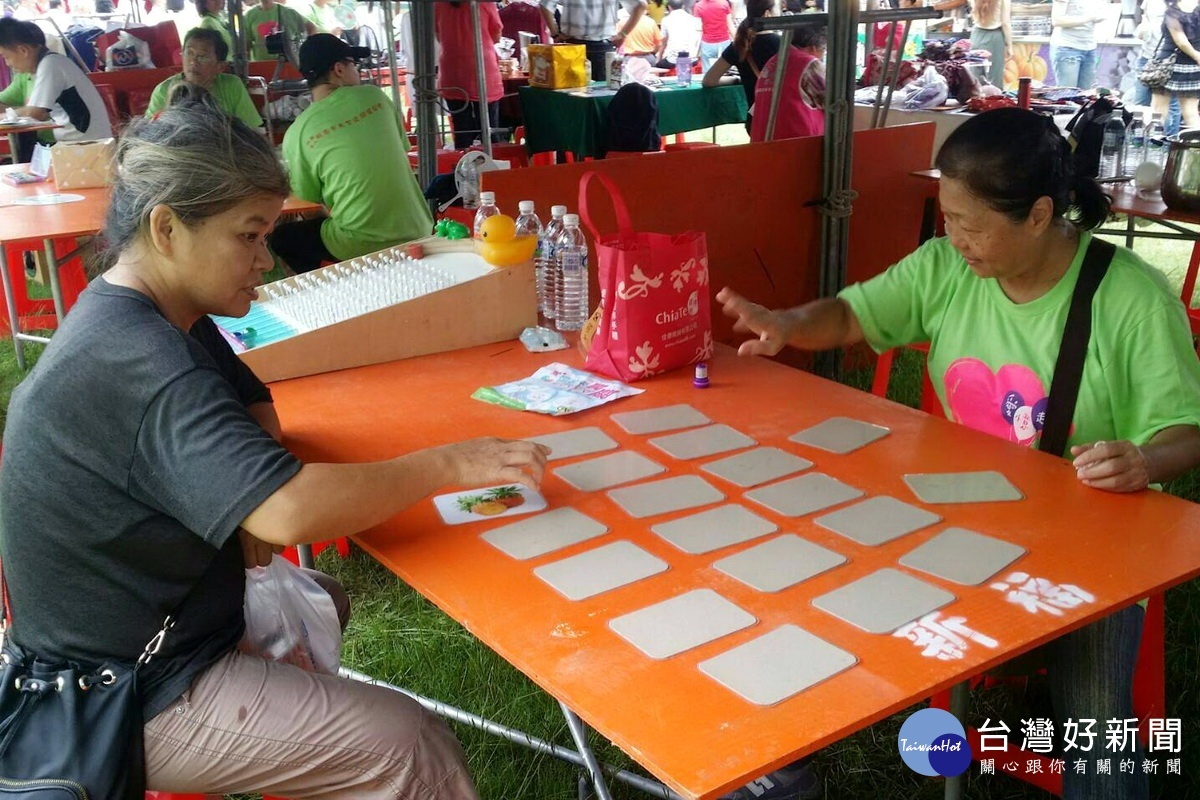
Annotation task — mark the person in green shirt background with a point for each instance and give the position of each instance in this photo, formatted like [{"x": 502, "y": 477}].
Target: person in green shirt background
[
  {"x": 204, "y": 54},
  {"x": 212, "y": 18},
  {"x": 272, "y": 16},
  {"x": 347, "y": 151},
  {"x": 321, "y": 13},
  {"x": 15, "y": 95}
]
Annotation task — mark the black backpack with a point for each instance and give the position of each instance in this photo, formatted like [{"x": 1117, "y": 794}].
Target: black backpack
[
  {"x": 632, "y": 121},
  {"x": 1087, "y": 132}
]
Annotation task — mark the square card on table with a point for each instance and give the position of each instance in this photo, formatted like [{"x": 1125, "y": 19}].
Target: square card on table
[{"x": 491, "y": 502}]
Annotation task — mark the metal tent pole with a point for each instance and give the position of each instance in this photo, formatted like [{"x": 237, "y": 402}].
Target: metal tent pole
[
  {"x": 485, "y": 124},
  {"x": 241, "y": 63},
  {"x": 843, "y": 19},
  {"x": 388, "y": 22},
  {"x": 424, "y": 89},
  {"x": 781, "y": 62}
]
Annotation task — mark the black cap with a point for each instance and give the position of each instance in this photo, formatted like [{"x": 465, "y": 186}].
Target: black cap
[{"x": 322, "y": 51}]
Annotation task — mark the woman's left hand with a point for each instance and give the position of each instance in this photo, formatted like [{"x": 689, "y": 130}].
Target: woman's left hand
[
  {"x": 256, "y": 552},
  {"x": 1112, "y": 466}
]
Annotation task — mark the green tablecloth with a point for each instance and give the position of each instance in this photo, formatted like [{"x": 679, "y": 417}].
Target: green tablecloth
[{"x": 573, "y": 119}]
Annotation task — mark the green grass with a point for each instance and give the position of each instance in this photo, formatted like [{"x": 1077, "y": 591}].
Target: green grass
[{"x": 398, "y": 636}]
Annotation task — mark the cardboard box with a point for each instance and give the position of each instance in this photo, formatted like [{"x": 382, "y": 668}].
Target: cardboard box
[
  {"x": 558, "y": 66},
  {"x": 82, "y": 165}
]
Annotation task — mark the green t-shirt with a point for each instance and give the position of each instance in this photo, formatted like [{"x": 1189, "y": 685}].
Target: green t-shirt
[
  {"x": 16, "y": 94},
  {"x": 228, "y": 90},
  {"x": 991, "y": 360},
  {"x": 349, "y": 152},
  {"x": 325, "y": 18},
  {"x": 214, "y": 23},
  {"x": 259, "y": 22}
]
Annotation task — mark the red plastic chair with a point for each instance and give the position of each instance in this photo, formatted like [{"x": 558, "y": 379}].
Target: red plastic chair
[
  {"x": 38, "y": 313},
  {"x": 883, "y": 372},
  {"x": 679, "y": 144}
]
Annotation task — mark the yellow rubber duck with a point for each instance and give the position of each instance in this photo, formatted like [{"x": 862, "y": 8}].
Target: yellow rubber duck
[{"x": 499, "y": 243}]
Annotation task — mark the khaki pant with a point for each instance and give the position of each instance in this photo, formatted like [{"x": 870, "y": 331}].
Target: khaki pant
[{"x": 251, "y": 725}]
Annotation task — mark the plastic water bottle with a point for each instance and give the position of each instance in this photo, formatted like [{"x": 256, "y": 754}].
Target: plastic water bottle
[
  {"x": 1156, "y": 141},
  {"x": 1112, "y": 148},
  {"x": 683, "y": 68},
  {"x": 616, "y": 70},
  {"x": 1135, "y": 145},
  {"x": 487, "y": 208},
  {"x": 470, "y": 190},
  {"x": 572, "y": 305},
  {"x": 528, "y": 224},
  {"x": 547, "y": 264}
]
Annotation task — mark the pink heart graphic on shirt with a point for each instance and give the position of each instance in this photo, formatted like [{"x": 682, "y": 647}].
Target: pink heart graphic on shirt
[{"x": 978, "y": 397}]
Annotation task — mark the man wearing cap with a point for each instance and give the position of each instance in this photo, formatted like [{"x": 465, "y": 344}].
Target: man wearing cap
[{"x": 347, "y": 151}]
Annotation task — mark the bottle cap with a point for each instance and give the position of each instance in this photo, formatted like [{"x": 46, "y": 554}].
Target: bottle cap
[
  {"x": 558, "y": 211},
  {"x": 525, "y": 206},
  {"x": 701, "y": 379},
  {"x": 487, "y": 198},
  {"x": 571, "y": 219}
]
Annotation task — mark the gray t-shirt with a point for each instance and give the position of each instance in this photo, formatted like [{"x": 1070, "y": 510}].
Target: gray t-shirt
[{"x": 129, "y": 462}]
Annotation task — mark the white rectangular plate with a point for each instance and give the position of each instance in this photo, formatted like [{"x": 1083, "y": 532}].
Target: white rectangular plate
[
  {"x": 777, "y": 665},
  {"x": 700, "y": 442},
  {"x": 600, "y": 570},
  {"x": 545, "y": 533},
  {"x": 760, "y": 465},
  {"x": 963, "y": 487},
  {"x": 877, "y": 520},
  {"x": 802, "y": 495},
  {"x": 713, "y": 529},
  {"x": 681, "y": 623},
  {"x": 665, "y": 496},
  {"x": 665, "y": 418},
  {"x": 962, "y": 556},
  {"x": 579, "y": 442},
  {"x": 883, "y": 601},
  {"x": 779, "y": 563},
  {"x": 613, "y": 469},
  {"x": 840, "y": 435}
]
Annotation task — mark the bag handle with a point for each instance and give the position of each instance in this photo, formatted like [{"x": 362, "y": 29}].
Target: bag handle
[
  {"x": 1068, "y": 368},
  {"x": 624, "y": 224}
]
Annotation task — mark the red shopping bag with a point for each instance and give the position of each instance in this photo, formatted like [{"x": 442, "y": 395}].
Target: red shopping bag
[{"x": 654, "y": 306}]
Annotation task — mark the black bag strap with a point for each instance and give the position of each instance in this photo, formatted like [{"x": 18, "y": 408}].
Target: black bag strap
[{"x": 1068, "y": 368}]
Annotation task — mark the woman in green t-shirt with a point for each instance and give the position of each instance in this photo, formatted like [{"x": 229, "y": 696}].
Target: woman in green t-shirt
[{"x": 991, "y": 299}]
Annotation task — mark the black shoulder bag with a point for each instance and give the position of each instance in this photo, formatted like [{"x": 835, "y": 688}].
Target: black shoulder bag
[
  {"x": 1068, "y": 368},
  {"x": 70, "y": 731}
]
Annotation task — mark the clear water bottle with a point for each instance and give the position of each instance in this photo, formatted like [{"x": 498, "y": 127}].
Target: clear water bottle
[
  {"x": 1135, "y": 145},
  {"x": 528, "y": 224},
  {"x": 547, "y": 265},
  {"x": 616, "y": 71},
  {"x": 487, "y": 208},
  {"x": 683, "y": 68},
  {"x": 1112, "y": 148},
  {"x": 470, "y": 189},
  {"x": 1156, "y": 141},
  {"x": 572, "y": 306}
]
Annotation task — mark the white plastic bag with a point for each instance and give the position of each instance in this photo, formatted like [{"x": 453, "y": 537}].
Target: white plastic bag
[
  {"x": 128, "y": 52},
  {"x": 291, "y": 619}
]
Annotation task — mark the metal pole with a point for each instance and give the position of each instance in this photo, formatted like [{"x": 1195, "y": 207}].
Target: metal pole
[
  {"x": 579, "y": 734},
  {"x": 785, "y": 47},
  {"x": 959, "y": 694},
  {"x": 895, "y": 75},
  {"x": 10, "y": 305},
  {"x": 515, "y": 736},
  {"x": 241, "y": 61},
  {"x": 885, "y": 70},
  {"x": 485, "y": 123},
  {"x": 424, "y": 89},
  {"x": 391, "y": 51}
]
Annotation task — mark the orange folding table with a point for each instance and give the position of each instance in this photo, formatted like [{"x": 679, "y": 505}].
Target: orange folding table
[
  {"x": 692, "y": 733},
  {"x": 20, "y": 223}
]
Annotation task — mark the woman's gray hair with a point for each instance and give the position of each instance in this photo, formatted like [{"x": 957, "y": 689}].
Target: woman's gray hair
[{"x": 194, "y": 159}]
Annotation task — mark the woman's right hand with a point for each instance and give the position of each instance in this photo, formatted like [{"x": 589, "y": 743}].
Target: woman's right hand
[
  {"x": 773, "y": 328},
  {"x": 488, "y": 460}
]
